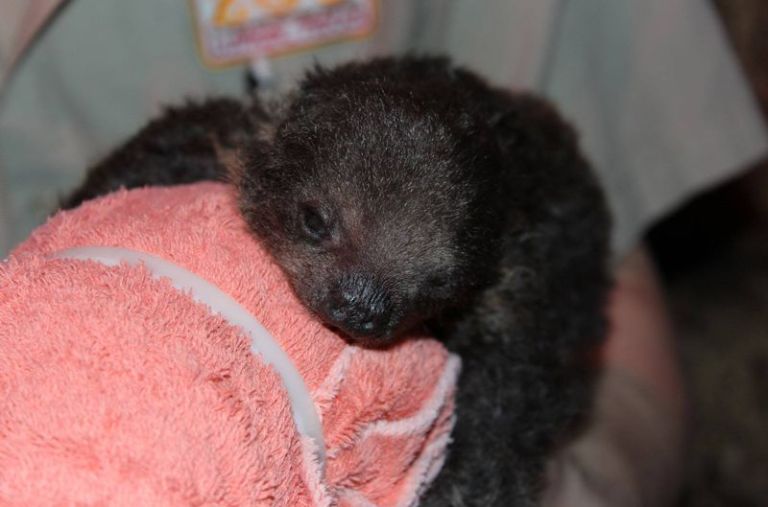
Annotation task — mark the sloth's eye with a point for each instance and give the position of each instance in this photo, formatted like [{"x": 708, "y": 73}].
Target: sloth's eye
[
  {"x": 314, "y": 224},
  {"x": 437, "y": 282}
]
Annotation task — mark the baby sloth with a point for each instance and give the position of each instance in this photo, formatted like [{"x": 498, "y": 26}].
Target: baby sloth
[{"x": 407, "y": 192}]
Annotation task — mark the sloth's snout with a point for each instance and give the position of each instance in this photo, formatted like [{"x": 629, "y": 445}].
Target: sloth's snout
[{"x": 360, "y": 307}]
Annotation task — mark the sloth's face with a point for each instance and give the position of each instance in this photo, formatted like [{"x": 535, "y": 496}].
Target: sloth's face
[{"x": 381, "y": 216}]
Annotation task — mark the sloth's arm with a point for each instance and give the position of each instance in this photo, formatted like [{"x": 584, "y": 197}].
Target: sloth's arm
[
  {"x": 631, "y": 453},
  {"x": 183, "y": 145}
]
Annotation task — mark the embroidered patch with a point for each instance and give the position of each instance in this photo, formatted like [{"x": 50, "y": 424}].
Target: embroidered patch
[{"x": 230, "y": 32}]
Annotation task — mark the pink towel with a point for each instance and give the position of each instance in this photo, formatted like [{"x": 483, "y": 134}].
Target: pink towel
[{"x": 116, "y": 388}]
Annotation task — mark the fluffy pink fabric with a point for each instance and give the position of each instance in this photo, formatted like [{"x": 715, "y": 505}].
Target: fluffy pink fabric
[{"x": 117, "y": 389}]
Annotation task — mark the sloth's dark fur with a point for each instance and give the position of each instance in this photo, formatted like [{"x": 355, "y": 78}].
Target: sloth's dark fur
[{"x": 404, "y": 192}]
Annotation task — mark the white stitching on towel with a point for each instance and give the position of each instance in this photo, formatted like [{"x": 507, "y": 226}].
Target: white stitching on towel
[
  {"x": 331, "y": 385},
  {"x": 417, "y": 422},
  {"x": 220, "y": 303}
]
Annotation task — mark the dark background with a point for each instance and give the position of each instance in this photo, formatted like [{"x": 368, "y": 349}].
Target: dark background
[{"x": 713, "y": 255}]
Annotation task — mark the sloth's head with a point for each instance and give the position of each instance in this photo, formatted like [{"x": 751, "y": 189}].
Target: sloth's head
[{"x": 379, "y": 204}]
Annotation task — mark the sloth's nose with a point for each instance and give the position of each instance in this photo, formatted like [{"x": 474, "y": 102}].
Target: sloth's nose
[{"x": 359, "y": 306}]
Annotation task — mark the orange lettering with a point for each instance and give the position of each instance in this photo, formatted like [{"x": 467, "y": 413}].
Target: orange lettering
[
  {"x": 231, "y": 12},
  {"x": 277, "y": 7}
]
